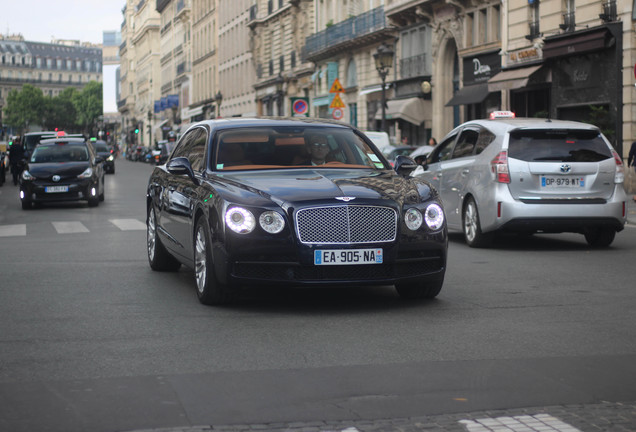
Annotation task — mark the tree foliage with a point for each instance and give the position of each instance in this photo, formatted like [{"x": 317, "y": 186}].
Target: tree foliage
[
  {"x": 72, "y": 110},
  {"x": 24, "y": 107},
  {"x": 88, "y": 106}
]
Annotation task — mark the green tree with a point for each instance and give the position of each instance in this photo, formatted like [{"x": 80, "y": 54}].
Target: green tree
[
  {"x": 59, "y": 111},
  {"x": 24, "y": 107},
  {"x": 89, "y": 106}
]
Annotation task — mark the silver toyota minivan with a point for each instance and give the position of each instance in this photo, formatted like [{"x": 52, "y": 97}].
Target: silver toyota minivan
[{"x": 528, "y": 176}]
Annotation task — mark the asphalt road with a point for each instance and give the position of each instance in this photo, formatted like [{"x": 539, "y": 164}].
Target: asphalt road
[{"x": 92, "y": 340}]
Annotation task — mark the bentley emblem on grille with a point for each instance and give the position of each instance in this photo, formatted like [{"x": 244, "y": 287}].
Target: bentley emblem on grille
[
  {"x": 56, "y": 178},
  {"x": 565, "y": 168},
  {"x": 345, "y": 199}
]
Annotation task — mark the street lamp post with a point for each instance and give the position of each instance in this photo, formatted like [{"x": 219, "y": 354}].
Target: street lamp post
[
  {"x": 218, "y": 98},
  {"x": 383, "y": 62}
]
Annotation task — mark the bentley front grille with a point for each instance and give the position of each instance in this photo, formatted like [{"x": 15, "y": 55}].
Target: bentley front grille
[{"x": 346, "y": 224}]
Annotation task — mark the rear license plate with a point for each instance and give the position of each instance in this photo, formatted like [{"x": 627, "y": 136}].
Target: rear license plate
[
  {"x": 55, "y": 189},
  {"x": 562, "y": 182},
  {"x": 348, "y": 256}
]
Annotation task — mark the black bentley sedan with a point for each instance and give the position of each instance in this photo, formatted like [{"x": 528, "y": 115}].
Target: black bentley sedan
[
  {"x": 62, "y": 169},
  {"x": 299, "y": 202}
]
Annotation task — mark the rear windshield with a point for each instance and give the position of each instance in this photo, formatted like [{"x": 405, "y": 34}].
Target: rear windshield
[
  {"x": 59, "y": 152},
  {"x": 558, "y": 146}
]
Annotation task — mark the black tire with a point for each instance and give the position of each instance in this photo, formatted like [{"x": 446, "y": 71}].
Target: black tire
[
  {"x": 600, "y": 237},
  {"x": 426, "y": 289},
  {"x": 158, "y": 257},
  {"x": 471, "y": 226},
  {"x": 26, "y": 205},
  {"x": 209, "y": 290},
  {"x": 93, "y": 201}
]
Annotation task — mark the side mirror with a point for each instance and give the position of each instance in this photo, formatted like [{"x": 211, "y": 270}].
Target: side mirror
[
  {"x": 181, "y": 166},
  {"x": 99, "y": 159},
  {"x": 404, "y": 165}
]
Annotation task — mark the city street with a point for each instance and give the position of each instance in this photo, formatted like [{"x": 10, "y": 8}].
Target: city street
[{"x": 91, "y": 339}]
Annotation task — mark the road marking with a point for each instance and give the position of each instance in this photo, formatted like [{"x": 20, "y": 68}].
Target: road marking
[
  {"x": 69, "y": 227},
  {"x": 12, "y": 230},
  {"x": 539, "y": 422},
  {"x": 128, "y": 224}
]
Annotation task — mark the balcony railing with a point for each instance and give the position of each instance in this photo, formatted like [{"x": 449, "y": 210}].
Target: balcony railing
[
  {"x": 569, "y": 22},
  {"x": 609, "y": 11},
  {"x": 413, "y": 66},
  {"x": 344, "y": 31},
  {"x": 534, "y": 31}
]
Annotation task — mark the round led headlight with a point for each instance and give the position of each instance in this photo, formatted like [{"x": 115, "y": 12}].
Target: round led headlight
[
  {"x": 434, "y": 216},
  {"x": 240, "y": 220},
  {"x": 272, "y": 222},
  {"x": 413, "y": 219}
]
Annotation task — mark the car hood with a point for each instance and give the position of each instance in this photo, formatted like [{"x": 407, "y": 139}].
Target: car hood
[
  {"x": 63, "y": 169},
  {"x": 298, "y": 187}
]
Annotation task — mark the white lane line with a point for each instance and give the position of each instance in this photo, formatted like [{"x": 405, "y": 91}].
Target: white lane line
[
  {"x": 12, "y": 230},
  {"x": 128, "y": 224},
  {"x": 69, "y": 227}
]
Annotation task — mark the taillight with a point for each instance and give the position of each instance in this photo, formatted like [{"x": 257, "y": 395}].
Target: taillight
[
  {"x": 499, "y": 166},
  {"x": 619, "y": 176}
]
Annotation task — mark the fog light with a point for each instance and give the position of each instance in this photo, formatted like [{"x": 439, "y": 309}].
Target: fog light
[
  {"x": 21, "y": 194},
  {"x": 93, "y": 192}
]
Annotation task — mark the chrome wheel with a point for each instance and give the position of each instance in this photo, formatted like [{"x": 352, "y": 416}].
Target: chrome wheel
[
  {"x": 471, "y": 221},
  {"x": 151, "y": 235},
  {"x": 200, "y": 259}
]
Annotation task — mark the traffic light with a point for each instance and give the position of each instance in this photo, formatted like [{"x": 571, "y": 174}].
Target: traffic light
[{"x": 137, "y": 130}]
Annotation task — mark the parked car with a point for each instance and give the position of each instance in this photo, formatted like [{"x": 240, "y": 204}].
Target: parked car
[
  {"x": 240, "y": 202},
  {"x": 106, "y": 152},
  {"x": 62, "y": 169},
  {"x": 380, "y": 139},
  {"x": 527, "y": 176}
]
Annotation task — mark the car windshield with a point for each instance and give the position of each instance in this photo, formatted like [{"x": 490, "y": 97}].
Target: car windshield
[
  {"x": 292, "y": 147},
  {"x": 61, "y": 152},
  {"x": 101, "y": 147},
  {"x": 558, "y": 146}
]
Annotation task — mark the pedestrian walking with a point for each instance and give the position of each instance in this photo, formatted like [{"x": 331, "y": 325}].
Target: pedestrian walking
[
  {"x": 16, "y": 159},
  {"x": 631, "y": 161}
]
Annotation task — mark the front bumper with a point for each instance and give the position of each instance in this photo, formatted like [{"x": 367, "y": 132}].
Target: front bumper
[{"x": 77, "y": 191}]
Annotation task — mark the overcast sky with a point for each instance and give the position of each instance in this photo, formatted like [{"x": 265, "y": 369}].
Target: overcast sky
[{"x": 41, "y": 20}]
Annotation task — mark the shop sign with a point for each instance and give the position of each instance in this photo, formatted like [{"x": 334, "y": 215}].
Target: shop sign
[
  {"x": 524, "y": 56},
  {"x": 481, "y": 68}
]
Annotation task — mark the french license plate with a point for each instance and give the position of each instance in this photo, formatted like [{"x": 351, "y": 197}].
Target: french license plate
[
  {"x": 348, "y": 256},
  {"x": 562, "y": 181},
  {"x": 55, "y": 189}
]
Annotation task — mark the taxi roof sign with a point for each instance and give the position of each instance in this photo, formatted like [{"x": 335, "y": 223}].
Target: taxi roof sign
[
  {"x": 336, "y": 87},
  {"x": 501, "y": 114}
]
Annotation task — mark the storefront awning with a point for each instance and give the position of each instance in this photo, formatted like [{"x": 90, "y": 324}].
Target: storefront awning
[
  {"x": 576, "y": 43},
  {"x": 160, "y": 124},
  {"x": 413, "y": 110},
  {"x": 511, "y": 79},
  {"x": 473, "y": 94},
  {"x": 373, "y": 89}
]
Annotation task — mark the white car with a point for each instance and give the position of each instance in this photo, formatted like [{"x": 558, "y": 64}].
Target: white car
[{"x": 529, "y": 175}]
